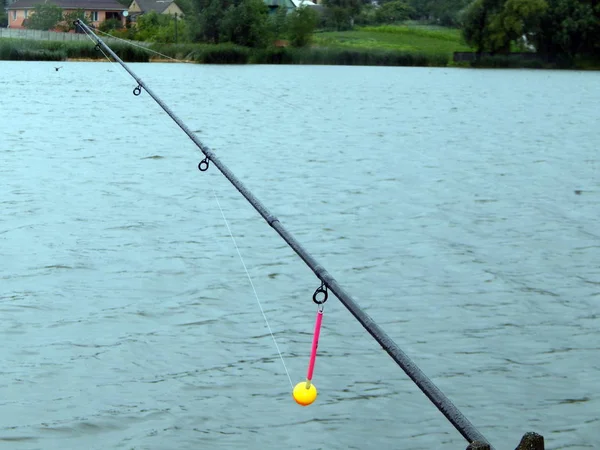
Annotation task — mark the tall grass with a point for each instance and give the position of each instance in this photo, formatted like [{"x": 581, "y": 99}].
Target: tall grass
[
  {"x": 347, "y": 57},
  {"x": 23, "y": 49},
  {"x": 11, "y": 52},
  {"x": 507, "y": 62},
  {"x": 219, "y": 54},
  {"x": 206, "y": 53}
]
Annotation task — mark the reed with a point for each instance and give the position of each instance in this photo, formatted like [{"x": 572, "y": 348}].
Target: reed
[
  {"x": 30, "y": 50},
  {"x": 17, "y": 49},
  {"x": 347, "y": 57}
]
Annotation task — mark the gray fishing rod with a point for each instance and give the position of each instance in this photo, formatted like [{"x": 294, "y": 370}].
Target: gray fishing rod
[{"x": 437, "y": 397}]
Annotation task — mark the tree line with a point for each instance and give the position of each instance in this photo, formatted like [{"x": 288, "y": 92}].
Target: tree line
[{"x": 557, "y": 29}]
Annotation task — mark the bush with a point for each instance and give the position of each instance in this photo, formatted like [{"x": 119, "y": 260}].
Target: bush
[
  {"x": 301, "y": 24},
  {"x": 246, "y": 24},
  {"x": 26, "y": 50},
  {"x": 110, "y": 25},
  {"x": 220, "y": 54}
]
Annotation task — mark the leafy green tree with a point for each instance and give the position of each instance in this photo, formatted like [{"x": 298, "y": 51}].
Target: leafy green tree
[
  {"x": 392, "y": 12},
  {"x": 441, "y": 12},
  {"x": 570, "y": 28},
  {"x": 69, "y": 18},
  {"x": 561, "y": 29},
  {"x": 208, "y": 17},
  {"x": 517, "y": 18},
  {"x": 301, "y": 25},
  {"x": 110, "y": 25},
  {"x": 45, "y": 16},
  {"x": 154, "y": 27},
  {"x": 476, "y": 21},
  {"x": 186, "y": 6},
  {"x": 247, "y": 24},
  {"x": 278, "y": 22},
  {"x": 367, "y": 15},
  {"x": 493, "y": 25},
  {"x": 340, "y": 14},
  {"x": 3, "y": 14},
  {"x": 168, "y": 34}
]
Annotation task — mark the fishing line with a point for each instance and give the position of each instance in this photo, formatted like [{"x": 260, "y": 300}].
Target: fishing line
[
  {"x": 136, "y": 45},
  {"x": 99, "y": 48},
  {"x": 228, "y": 229},
  {"x": 249, "y": 88},
  {"x": 253, "y": 289}
]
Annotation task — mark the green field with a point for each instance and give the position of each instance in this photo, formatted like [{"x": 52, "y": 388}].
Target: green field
[
  {"x": 398, "y": 45},
  {"x": 426, "y": 40}
]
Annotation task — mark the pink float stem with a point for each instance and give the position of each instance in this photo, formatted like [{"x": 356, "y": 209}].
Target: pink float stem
[{"x": 315, "y": 344}]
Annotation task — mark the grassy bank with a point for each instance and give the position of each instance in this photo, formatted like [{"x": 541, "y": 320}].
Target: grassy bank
[
  {"x": 406, "y": 45},
  {"x": 24, "y": 50},
  {"x": 426, "y": 40},
  {"x": 28, "y": 50},
  {"x": 380, "y": 46}
]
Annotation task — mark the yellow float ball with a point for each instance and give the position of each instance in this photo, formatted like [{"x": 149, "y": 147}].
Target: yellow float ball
[{"x": 304, "y": 396}]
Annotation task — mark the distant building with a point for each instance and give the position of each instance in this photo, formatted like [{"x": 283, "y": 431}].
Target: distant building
[
  {"x": 290, "y": 5},
  {"x": 139, "y": 7},
  {"x": 97, "y": 10}
]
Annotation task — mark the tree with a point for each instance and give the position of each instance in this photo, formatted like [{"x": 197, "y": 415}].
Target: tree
[
  {"x": 442, "y": 12},
  {"x": 395, "y": 11},
  {"x": 517, "y": 18},
  {"x": 110, "y": 25},
  {"x": 569, "y": 28},
  {"x": 246, "y": 24},
  {"x": 70, "y": 17},
  {"x": 154, "y": 27},
  {"x": 447, "y": 12},
  {"x": 209, "y": 14},
  {"x": 186, "y": 7},
  {"x": 3, "y": 14},
  {"x": 45, "y": 16},
  {"x": 340, "y": 14},
  {"x": 493, "y": 25},
  {"x": 559, "y": 29},
  {"x": 278, "y": 22},
  {"x": 301, "y": 25},
  {"x": 476, "y": 25}
]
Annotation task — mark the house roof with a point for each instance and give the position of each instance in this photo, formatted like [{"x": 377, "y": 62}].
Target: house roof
[
  {"x": 299, "y": 3},
  {"x": 279, "y": 3},
  {"x": 89, "y": 5},
  {"x": 153, "y": 5}
]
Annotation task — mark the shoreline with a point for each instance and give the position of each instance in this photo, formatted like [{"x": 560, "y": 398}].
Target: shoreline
[{"x": 56, "y": 51}]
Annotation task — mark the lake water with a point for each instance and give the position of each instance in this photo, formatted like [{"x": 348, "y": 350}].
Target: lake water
[{"x": 459, "y": 207}]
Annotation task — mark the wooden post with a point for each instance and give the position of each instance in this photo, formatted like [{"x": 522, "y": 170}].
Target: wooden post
[{"x": 531, "y": 441}]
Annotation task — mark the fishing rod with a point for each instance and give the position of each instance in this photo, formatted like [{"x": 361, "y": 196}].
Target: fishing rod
[{"x": 437, "y": 397}]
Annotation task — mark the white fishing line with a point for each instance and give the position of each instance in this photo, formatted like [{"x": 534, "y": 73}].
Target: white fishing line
[
  {"x": 99, "y": 47},
  {"x": 138, "y": 46},
  {"x": 253, "y": 289}
]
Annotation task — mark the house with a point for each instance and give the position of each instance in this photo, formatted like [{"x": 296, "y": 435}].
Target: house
[
  {"x": 299, "y": 3},
  {"x": 97, "y": 10},
  {"x": 139, "y": 7},
  {"x": 289, "y": 5}
]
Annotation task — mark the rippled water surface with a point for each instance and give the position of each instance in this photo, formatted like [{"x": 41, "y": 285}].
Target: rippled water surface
[{"x": 459, "y": 207}]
